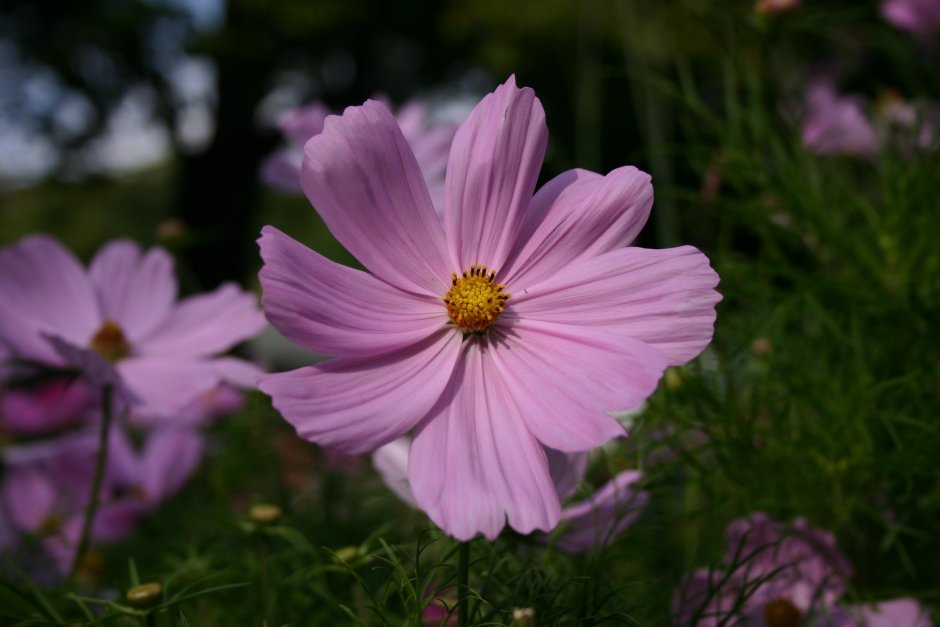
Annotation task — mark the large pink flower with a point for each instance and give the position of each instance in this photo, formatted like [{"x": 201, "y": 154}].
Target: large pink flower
[
  {"x": 123, "y": 311},
  {"x": 510, "y": 324}
]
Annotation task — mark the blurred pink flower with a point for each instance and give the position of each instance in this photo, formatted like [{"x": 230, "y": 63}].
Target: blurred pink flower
[
  {"x": 920, "y": 17},
  {"x": 46, "y": 486},
  {"x": 511, "y": 324},
  {"x": 781, "y": 575},
  {"x": 584, "y": 526},
  {"x": 836, "y": 125},
  {"x": 46, "y": 406},
  {"x": 119, "y": 320},
  {"x": 430, "y": 140}
]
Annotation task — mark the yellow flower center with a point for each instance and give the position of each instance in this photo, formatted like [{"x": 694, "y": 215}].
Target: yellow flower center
[
  {"x": 782, "y": 613},
  {"x": 109, "y": 341},
  {"x": 475, "y": 300}
]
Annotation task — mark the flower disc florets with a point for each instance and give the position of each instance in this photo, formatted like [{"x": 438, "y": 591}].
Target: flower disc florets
[
  {"x": 475, "y": 300},
  {"x": 109, "y": 341},
  {"x": 782, "y": 613}
]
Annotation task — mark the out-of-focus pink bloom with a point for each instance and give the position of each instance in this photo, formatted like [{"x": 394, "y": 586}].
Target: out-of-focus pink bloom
[
  {"x": 768, "y": 7},
  {"x": 507, "y": 325},
  {"x": 591, "y": 524},
  {"x": 920, "y": 17},
  {"x": 119, "y": 321},
  {"x": 220, "y": 401},
  {"x": 46, "y": 486},
  {"x": 46, "y": 406},
  {"x": 903, "y": 612},
  {"x": 430, "y": 140},
  {"x": 598, "y": 520},
  {"x": 441, "y": 609},
  {"x": 836, "y": 124},
  {"x": 779, "y": 575}
]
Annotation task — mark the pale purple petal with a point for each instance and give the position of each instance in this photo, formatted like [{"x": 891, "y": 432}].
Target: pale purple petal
[
  {"x": 135, "y": 290},
  {"x": 358, "y": 404},
  {"x": 47, "y": 406},
  {"x": 164, "y": 385},
  {"x": 302, "y": 123},
  {"x": 474, "y": 464},
  {"x": 206, "y": 324},
  {"x": 44, "y": 289},
  {"x": 568, "y": 377},
  {"x": 362, "y": 178},
  {"x": 664, "y": 298},
  {"x": 903, "y": 612},
  {"x": 391, "y": 461},
  {"x": 491, "y": 173},
  {"x": 29, "y": 497},
  {"x": 335, "y": 310},
  {"x": 281, "y": 171},
  {"x": 596, "y": 522},
  {"x": 219, "y": 401},
  {"x": 701, "y": 600},
  {"x": 169, "y": 458},
  {"x": 592, "y": 215},
  {"x": 835, "y": 124},
  {"x": 920, "y": 17},
  {"x": 567, "y": 470}
]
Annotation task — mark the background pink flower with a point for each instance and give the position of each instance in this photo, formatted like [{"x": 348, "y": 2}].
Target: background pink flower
[
  {"x": 920, "y": 17},
  {"x": 121, "y": 318}
]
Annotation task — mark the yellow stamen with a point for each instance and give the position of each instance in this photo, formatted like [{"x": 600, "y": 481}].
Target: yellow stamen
[
  {"x": 475, "y": 300},
  {"x": 109, "y": 341}
]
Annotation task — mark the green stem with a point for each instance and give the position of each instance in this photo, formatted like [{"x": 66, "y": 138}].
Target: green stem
[
  {"x": 463, "y": 565},
  {"x": 100, "y": 465}
]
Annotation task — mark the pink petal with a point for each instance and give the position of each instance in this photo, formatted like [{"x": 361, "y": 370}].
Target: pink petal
[
  {"x": 335, "y": 310},
  {"x": 28, "y": 497},
  {"x": 135, "y": 290},
  {"x": 596, "y": 522},
  {"x": 903, "y": 612},
  {"x": 593, "y": 214},
  {"x": 358, "y": 404},
  {"x": 567, "y": 470},
  {"x": 206, "y": 324},
  {"x": 300, "y": 124},
  {"x": 474, "y": 462},
  {"x": 165, "y": 385},
  {"x": 46, "y": 407},
  {"x": 362, "y": 178},
  {"x": 43, "y": 288},
  {"x": 169, "y": 458},
  {"x": 665, "y": 298},
  {"x": 391, "y": 461},
  {"x": 491, "y": 173},
  {"x": 568, "y": 377},
  {"x": 282, "y": 172}
]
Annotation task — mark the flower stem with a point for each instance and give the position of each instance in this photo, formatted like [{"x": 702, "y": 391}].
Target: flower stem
[
  {"x": 463, "y": 566},
  {"x": 100, "y": 465}
]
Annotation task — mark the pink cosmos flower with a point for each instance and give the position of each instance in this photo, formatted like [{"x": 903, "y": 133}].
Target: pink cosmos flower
[
  {"x": 834, "y": 124},
  {"x": 430, "y": 141},
  {"x": 584, "y": 526},
  {"x": 780, "y": 576},
  {"x": 510, "y": 324},
  {"x": 769, "y": 7},
  {"x": 120, "y": 320},
  {"x": 920, "y": 17}
]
